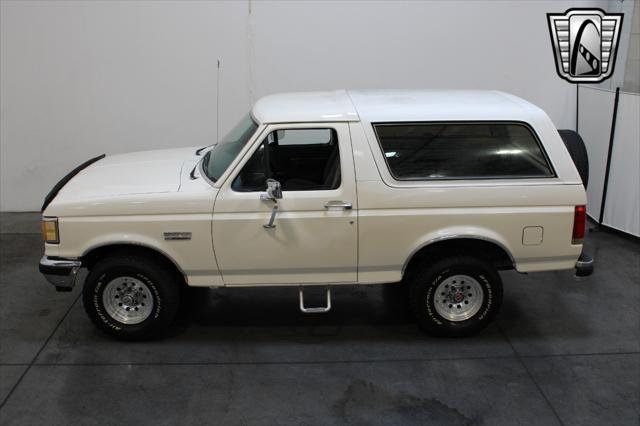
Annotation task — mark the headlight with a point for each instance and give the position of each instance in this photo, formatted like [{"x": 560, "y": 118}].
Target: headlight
[{"x": 50, "y": 230}]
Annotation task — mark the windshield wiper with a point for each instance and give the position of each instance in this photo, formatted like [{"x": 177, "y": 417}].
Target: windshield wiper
[{"x": 192, "y": 175}]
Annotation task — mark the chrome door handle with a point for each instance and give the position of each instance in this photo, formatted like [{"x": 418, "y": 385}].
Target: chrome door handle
[{"x": 338, "y": 204}]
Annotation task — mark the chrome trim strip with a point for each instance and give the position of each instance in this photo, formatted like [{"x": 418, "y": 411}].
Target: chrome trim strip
[
  {"x": 66, "y": 279},
  {"x": 60, "y": 263},
  {"x": 171, "y": 236},
  {"x": 339, "y": 204}
]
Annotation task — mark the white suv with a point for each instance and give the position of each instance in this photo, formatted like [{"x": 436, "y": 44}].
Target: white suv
[{"x": 437, "y": 191}]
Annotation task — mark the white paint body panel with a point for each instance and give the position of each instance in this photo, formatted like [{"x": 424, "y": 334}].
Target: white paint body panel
[
  {"x": 93, "y": 214},
  {"x": 135, "y": 198},
  {"x": 310, "y": 244},
  {"x": 135, "y": 173}
]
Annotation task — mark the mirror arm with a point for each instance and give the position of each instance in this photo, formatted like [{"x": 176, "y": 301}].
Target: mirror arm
[
  {"x": 274, "y": 192},
  {"x": 272, "y": 219}
]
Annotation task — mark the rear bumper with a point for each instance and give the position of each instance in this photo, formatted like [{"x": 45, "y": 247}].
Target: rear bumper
[
  {"x": 584, "y": 265},
  {"x": 61, "y": 273}
]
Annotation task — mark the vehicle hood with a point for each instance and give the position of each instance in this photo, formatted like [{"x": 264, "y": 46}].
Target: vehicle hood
[{"x": 141, "y": 172}]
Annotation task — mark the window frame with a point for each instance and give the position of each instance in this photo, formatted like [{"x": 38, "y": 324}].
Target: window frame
[
  {"x": 526, "y": 125},
  {"x": 274, "y": 127}
]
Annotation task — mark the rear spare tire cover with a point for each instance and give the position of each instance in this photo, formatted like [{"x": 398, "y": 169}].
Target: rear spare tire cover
[{"x": 578, "y": 151}]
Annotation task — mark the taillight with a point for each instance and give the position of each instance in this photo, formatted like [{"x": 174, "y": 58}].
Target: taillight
[{"x": 579, "y": 223}]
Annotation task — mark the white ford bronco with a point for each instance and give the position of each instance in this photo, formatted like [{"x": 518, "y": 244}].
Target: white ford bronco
[{"x": 434, "y": 190}]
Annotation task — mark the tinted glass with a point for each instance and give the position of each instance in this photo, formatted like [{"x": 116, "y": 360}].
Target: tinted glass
[
  {"x": 461, "y": 151},
  {"x": 304, "y": 137},
  {"x": 300, "y": 159},
  {"x": 222, "y": 154}
]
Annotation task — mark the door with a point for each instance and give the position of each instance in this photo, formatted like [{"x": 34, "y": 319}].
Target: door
[{"x": 314, "y": 238}]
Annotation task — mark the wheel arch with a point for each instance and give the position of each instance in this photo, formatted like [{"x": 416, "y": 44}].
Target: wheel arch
[
  {"x": 493, "y": 251},
  {"x": 97, "y": 252}
]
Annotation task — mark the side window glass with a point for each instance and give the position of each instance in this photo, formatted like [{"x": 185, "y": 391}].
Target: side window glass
[
  {"x": 252, "y": 178},
  {"x": 300, "y": 159},
  {"x": 427, "y": 151},
  {"x": 290, "y": 137}
]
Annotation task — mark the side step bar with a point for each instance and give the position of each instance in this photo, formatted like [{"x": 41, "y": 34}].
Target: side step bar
[{"x": 318, "y": 310}]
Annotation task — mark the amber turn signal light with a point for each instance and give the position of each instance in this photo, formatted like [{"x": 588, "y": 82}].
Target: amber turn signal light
[{"x": 50, "y": 230}]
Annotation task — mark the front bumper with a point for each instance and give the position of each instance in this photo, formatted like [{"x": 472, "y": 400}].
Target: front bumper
[
  {"x": 584, "y": 265},
  {"x": 62, "y": 273}
]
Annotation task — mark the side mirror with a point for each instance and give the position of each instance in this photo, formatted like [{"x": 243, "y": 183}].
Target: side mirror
[
  {"x": 274, "y": 193},
  {"x": 274, "y": 190}
]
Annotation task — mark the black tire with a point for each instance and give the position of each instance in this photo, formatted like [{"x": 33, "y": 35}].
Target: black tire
[
  {"x": 578, "y": 152},
  {"x": 424, "y": 281},
  {"x": 160, "y": 280}
]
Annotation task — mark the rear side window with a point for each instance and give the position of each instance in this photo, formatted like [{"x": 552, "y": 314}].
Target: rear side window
[{"x": 423, "y": 151}]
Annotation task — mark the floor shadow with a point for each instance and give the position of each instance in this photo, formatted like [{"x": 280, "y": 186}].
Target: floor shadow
[{"x": 272, "y": 307}]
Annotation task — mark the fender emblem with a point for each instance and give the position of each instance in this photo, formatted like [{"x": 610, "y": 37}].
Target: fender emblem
[{"x": 177, "y": 236}]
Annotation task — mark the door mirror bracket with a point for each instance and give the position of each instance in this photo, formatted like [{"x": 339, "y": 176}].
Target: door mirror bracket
[{"x": 274, "y": 193}]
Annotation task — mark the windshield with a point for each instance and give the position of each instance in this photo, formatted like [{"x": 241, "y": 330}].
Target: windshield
[{"x": 216, "y": 161}]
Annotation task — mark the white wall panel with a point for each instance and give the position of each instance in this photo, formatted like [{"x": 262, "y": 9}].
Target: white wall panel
[
  {"x": 622, "y": 208},
  {"x": 81, "y": 78},
  {"x": 459, "y": 45},
  {"x": 594, "y": 121}
]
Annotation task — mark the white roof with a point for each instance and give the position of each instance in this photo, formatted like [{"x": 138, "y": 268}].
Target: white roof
[{"x": 392, "y": 105}]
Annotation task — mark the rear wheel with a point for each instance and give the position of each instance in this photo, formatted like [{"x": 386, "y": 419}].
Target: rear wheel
[
  {"x": 456, "y": 296},
  {"x": 131, "y": 297}
]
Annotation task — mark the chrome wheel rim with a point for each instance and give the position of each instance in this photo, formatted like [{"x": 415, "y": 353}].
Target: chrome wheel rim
[
  {"x": 127, "y": 300},
  {"x": 458, "y": 298}
]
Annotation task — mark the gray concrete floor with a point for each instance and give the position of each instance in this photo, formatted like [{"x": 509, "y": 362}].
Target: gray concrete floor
[{"x": 561, "y": 352}]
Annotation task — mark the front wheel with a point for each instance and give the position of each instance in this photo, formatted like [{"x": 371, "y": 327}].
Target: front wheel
[
  {"x": 456, "y": 296},
  {"x": 131, "y": 297}
]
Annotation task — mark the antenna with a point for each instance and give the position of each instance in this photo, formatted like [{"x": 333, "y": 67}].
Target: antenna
[{"x": 218, "y": 101}]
